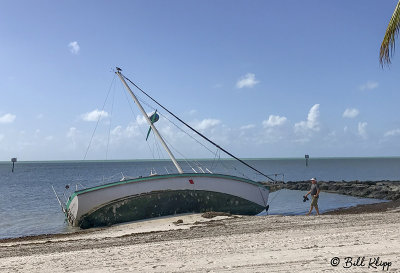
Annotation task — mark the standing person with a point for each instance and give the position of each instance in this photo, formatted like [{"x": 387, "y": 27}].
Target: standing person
[{"x": 314, "y": 191}]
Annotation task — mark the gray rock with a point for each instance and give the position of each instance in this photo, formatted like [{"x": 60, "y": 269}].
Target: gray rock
[{"x": 389, "y": 190}]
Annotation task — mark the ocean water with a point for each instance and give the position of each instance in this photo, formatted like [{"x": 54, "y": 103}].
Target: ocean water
[{"x": 28, "y": 205}]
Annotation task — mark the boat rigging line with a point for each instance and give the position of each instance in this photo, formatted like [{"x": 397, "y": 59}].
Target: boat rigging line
[
  {"x": 191, "y": 128},
  {"x": 98, "y": 119},
  {"x": 173, "y": 123},
  {"x": 140, "y": 129},
  {"x": 178, "y": 167}
]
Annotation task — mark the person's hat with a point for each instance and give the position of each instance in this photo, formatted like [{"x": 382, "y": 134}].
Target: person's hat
[{"x": 313, "y": 179}]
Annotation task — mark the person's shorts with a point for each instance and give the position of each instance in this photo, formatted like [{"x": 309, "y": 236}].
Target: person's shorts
[{"x": 314, "y": 201}]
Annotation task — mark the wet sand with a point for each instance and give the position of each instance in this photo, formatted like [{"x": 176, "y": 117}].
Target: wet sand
[{"x": 221, "y": 244}]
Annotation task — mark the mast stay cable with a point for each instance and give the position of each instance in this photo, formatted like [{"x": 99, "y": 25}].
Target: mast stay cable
[
  {"x": 194, "y": 130},
  {"x": 98, "y": 119}
]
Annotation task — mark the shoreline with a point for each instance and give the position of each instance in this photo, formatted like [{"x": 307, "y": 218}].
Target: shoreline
[
  {"x": 359, "y": 209},
  {"x": 272, "y": 243}
]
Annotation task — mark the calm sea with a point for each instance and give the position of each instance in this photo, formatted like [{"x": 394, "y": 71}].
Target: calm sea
[{"x": 28, "y": 205}]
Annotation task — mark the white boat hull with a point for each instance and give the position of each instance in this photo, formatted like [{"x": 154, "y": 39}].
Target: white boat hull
[{"x": 162, "y": 195}]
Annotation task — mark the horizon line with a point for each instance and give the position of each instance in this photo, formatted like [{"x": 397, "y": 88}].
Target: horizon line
[{"x": 195, "y": 159}]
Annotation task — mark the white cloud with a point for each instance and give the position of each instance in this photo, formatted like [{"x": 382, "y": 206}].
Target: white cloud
[
  {"x": 39, "y": 116},
  {"x": 274, "y": 121},
  {"x": 312, "y": 122},
  {"x": 71, "y": 132},
  {"x": 49, "y": 138},
  {"x": 1, "y": 137},
  {"x": 369, "y": 85},
  {"x": 248, "y": 80},
  {"x": 94, "y": 115},
  {"x": 117, "y": 130},
  {"x": 246, "y": 127},
  {"x": 350, "y": 113},
  {"x": 207, "y": 123},
  {"x": 141, "y": 120},
  {"x": 74, "y": 47},
  {"x": 362, "y": 129},
  {"x": 132, "y": 130},
  {"x": 395, "y": 132},
  {"x": 332, "y": 134},
  {"x": 7, "y": 118}
]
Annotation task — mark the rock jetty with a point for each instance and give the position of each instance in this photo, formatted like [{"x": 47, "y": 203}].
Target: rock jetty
[{"x": 389, "y": 190}]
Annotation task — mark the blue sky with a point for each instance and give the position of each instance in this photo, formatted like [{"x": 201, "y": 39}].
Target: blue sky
[{"x": 261, "y": 78}]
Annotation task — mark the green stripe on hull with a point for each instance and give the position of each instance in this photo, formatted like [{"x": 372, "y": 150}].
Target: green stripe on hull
[
  {"x": 162, "y": 203},
  {"x": 149, "y": 178}
]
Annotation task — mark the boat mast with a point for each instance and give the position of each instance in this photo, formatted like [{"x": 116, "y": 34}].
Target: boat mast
[
  {"x": 118, "y": 72},
  {"x": 197, "y": 132}
]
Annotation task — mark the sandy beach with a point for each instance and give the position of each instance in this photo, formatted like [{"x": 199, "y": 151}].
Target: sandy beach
[{"x": 221, "y": 244}]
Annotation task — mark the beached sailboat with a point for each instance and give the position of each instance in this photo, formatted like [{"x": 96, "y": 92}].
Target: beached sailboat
[{"x": 160, "y": 195}]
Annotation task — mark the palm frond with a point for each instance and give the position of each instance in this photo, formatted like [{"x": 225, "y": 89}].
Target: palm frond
[{"x": 388, "y": 43}]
